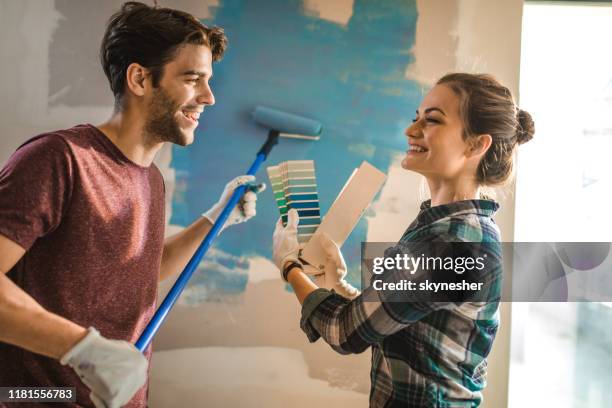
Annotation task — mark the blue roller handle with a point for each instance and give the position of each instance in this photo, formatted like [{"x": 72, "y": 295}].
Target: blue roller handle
[{"x": 172, "y": 296}]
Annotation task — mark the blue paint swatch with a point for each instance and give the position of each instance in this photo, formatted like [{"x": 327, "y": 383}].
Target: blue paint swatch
[{"x": 294, "y": 185}]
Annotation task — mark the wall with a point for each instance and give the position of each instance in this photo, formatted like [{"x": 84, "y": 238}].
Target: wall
[{"x": 361, "y": 69}]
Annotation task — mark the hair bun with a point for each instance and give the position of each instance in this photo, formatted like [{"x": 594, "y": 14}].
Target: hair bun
[{"x": 526, "y": 128}]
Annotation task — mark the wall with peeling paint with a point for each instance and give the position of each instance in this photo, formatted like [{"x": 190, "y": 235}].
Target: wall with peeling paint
[{"x": 361, "y": 68}]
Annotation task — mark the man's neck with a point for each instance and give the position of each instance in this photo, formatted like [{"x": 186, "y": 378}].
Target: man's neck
[{"x": 126, "y": 131}]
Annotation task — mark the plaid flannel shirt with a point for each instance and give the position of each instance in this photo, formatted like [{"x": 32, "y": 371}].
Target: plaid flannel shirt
[{"x": 424, "y": 354}]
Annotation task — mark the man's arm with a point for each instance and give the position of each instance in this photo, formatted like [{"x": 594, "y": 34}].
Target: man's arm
[
  {"x": 113, "y": 370},
  {"x": 24, "y": 322},
  {"x": 180, "y": 247}
]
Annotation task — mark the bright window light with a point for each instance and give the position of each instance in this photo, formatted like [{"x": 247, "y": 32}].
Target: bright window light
[
  {"x": 564, "y": 175},
  {"x": 560, "y": 352}
]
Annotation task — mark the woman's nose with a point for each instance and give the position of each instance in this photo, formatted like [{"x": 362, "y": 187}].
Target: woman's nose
[{"x": 413, "y": 130}]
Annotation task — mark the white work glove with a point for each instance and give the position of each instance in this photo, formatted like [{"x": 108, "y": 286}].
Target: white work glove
[
  {"x": 285, "y": 246},
  {"x": 285, "y": 249},
  {"x": 335, "y": 270},
  {"x": 246, "y": 207},
  {"x": 112, "y": 369}
]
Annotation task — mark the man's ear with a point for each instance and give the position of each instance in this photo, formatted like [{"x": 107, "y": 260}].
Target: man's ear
[
  {"x": 479, "y": 145},
  {"x": 136, "y": 75}
]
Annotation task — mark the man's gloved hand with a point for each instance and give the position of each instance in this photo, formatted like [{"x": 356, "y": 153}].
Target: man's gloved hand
[
  {"x": 112, "y": 369},
  {"x": 244, "y": 210},
  {"x": 335, "y": 270},
  {"x": 285, "y": 246}
]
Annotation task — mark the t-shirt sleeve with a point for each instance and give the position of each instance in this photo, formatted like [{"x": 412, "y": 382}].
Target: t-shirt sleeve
[{"x": 35, "y": 189}]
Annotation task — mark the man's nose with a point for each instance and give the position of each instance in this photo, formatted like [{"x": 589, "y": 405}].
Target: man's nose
[{"x": 206, "y": 96}]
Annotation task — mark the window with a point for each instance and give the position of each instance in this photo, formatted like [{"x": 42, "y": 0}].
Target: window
[{"x": 562, "y": 352}]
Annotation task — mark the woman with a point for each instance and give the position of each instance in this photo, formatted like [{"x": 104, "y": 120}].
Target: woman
[{"x": 425, "y": 354}]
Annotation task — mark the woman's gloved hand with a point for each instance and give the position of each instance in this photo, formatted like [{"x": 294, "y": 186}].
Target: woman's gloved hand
[
  {"x": 285, "y": 246},
  {"x": 335, "y": 270},
  {"x": 286, "y": 249}
]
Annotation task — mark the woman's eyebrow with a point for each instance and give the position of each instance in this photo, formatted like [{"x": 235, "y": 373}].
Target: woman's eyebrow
[
  {"x": 435, "y": 109},
  {"x": 431, "y": 110}
]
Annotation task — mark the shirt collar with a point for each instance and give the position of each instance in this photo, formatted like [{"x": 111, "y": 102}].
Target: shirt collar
[{"x": 429, "y": 214}]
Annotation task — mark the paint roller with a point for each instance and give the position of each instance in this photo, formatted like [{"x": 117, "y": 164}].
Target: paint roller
[
  {"x": 293, "y": 126},
  {"x": 280, "y": 124}
]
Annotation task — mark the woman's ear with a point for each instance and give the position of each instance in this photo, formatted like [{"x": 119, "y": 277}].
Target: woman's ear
[
  {"x": 135, "y": 78},
  {"x": 479, "y": 145}
]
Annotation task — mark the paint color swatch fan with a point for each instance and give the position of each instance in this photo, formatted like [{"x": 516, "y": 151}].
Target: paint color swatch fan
[{"x": 294, "y": 185}]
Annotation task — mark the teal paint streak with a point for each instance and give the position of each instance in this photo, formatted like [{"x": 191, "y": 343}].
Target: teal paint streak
[{"x": 349, "y": 78}]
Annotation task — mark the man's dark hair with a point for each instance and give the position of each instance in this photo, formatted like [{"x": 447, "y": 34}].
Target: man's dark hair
[{"x": 150, "y": 36}]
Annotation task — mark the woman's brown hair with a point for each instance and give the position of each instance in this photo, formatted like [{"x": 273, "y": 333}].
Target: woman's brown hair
[{"x": 487, "y": 107}]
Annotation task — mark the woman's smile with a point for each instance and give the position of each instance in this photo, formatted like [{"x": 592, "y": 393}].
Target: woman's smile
[{"x": 415, "y": 149}]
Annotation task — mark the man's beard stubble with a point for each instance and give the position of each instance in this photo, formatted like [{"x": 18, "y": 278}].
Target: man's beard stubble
[{"x": 161, "y": 124}]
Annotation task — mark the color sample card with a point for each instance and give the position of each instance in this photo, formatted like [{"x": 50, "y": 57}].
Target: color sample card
[
  {"x": 345, "y": 212},
  {"x": 294, "y": 185}
]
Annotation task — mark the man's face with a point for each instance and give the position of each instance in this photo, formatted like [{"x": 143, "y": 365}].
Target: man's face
[{"x": 175, "y": 105}]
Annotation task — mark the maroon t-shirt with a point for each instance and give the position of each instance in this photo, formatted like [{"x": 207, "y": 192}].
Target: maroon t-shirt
[{"x": 92, "y": 224}]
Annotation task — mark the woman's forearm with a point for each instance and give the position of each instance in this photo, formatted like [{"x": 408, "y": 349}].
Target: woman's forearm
[{"x": 301, "y": 284}]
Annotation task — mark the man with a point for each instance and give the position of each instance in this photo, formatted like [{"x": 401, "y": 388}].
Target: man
[{"x": 82, "y": 216}]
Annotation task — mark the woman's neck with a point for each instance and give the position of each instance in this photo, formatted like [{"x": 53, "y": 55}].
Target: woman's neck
[{"x": 448, "y": 191}]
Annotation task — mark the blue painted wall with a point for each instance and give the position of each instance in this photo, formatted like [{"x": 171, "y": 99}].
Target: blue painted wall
[{"x": 351, "y": 78}]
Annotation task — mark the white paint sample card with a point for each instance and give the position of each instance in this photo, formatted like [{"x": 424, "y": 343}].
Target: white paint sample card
[{"x": 345, "y": 212}]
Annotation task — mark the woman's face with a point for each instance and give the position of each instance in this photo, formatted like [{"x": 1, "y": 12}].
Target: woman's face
[{"x": 436, "y": 146}]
